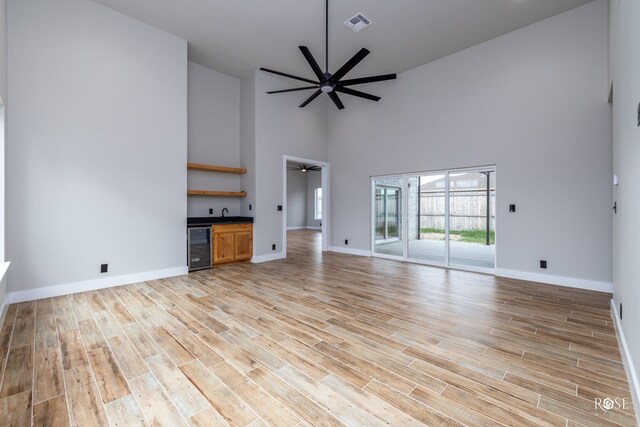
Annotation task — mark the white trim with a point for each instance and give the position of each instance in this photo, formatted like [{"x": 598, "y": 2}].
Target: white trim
[
  {"x": 3, "y": 309},
  {"x": 349, "y": 251},
  {"x": 312, "y": 227},
  {"x": 570, "y": 282},
  {"x": 632, "y": 376},
  {"x": 4, "y": 266},
  {"x": 91, "y": 285},
  {"x": 266, "y": 258}
]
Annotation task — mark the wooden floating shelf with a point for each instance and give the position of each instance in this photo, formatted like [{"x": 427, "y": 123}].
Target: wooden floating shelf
[
  {"x": 207, "y": 193},
  {"x": 215, "y": 168}
]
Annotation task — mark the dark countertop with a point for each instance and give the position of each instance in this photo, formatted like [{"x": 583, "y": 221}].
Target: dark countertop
[{"x": 207, "y": 221}]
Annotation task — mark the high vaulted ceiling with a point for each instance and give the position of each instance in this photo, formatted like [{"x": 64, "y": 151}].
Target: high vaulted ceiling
[{"x": 236, "y": 37}]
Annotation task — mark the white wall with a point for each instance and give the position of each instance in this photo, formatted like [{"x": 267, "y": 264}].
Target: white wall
[
  {"x": 97, "y": 144},
  {"x": 314, "y": 180},
  {"x": 214, "y": 138},
  {"x": 625, "y": 72},
  {"x": 281, "y": 128},
  {"x": 533, "y": 102},
  {"x": 296, "y": 199}
]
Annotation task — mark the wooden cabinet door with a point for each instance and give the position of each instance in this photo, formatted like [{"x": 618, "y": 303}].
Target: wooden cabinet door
[
  {"x": 223, "y": 247},
  {"x": 244, "y": 245}
]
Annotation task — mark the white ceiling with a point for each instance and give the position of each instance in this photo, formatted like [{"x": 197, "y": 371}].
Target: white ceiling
[{"x": 236, "y": 37}]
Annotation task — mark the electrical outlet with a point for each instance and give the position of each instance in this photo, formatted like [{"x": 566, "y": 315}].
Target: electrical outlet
[
  {"x": 104, "y": 268},
  {"x": 279, "y": 208},
  {"x": 512, "y": 208},
  {"x": 210, "y": 211},
  {"x": 273, "y": 247},
  {"x": 250, "y": 207},
  {"x": 346, "y": 241},
  {"x": 543, "y": 264},
  {"x": 620, "y": 312}
]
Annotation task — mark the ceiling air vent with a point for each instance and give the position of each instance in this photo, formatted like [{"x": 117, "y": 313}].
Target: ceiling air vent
[{"x": 357, "y": 22}]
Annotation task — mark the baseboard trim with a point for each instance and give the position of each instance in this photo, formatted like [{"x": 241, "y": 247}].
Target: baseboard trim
[
  {"x": 266, "y": 258},
  {"x": 304, "y": 227},
  {"x": 349, "y": 251},
  {"x": 4, "y": 266},
  {"x": 3, "y": 309},
  {"x": 570, "y": 282},
  {"x": 627, "y": 360},
  {"x": 313, "y": 228},
  {"x": 92, "y": 285}
]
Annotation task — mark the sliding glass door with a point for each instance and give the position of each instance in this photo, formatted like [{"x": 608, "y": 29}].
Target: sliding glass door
[
  {"x": 472, "y": 219},
  {"x": 388, "y": 216},
  {"x": 445, "y": 218},
  {"x": 427, "y": 218}
]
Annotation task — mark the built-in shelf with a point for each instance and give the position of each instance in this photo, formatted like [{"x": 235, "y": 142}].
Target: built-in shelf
[
  {"x": 215, "y": 168},
  {"x": 209, "y": 193}
]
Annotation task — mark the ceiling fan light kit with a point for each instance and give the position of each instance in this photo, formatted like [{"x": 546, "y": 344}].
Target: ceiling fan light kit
[
  {"x": 304, "y": 168},
  {"x": 332, "y": 83}
]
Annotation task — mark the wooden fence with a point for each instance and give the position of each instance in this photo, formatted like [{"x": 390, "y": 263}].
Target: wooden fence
[{"x": 467, "y": 210}]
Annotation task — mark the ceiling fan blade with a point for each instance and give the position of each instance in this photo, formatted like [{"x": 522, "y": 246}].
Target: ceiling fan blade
[
  {"x": 336, "y": 100},
  {"x": 302, "y": 79},
  {"x": 371, "y": 79},
  {"x": 348, "y": 66},
  {"x": 357, "y": 93},
  {"x": 294, "y": 90},
  {"x": 311, "y": 98},
  {"x": 312, "y": 62}
]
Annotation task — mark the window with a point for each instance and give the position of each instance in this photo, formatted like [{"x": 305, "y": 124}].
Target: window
[{"x": 317, "y": 213}]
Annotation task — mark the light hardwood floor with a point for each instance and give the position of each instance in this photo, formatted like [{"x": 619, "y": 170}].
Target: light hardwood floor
[{"x": 317, "y": 339}]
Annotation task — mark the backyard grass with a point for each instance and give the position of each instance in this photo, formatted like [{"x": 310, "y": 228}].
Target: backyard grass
[{"x": 469, "y": 236}]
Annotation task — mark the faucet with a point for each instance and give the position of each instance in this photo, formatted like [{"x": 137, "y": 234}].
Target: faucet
[{"x": 223, "y": 211}]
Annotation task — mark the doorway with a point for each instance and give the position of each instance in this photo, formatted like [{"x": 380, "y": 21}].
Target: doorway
[
  {"x": 443, "y": 218},
  {"x": 306, "y": 203}
]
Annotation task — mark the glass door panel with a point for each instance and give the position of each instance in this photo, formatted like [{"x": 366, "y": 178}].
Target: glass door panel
[
  {"x": 388, "y": 217},
  {"x": 426, "y": 218},
  {"x": 472, "y": 218}
]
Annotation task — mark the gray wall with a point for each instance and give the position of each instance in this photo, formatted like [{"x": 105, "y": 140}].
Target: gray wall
[
  {"x": 248, "y": 144},
  {"x": 532, "y": 102},
  {"x": 314, "y": 180},
  {"x": 3, "y": 50},
  {"x": 281, "y": 128},
  {"x": 625, "y": 72},
  {"x": 97, "y": 144},
  {"x": 296, "y": 199},
  {"x": 3, "y": 95},
  {"x": 214, "y": 138}
]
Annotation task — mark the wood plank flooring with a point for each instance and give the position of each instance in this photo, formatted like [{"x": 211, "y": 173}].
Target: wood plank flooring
[{"x": 317, "y": 339}]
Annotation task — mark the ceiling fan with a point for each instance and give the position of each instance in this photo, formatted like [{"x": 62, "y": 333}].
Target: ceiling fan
[
  {"x": 332, "y": 83},
  {"x": 304, "y": 168}
]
